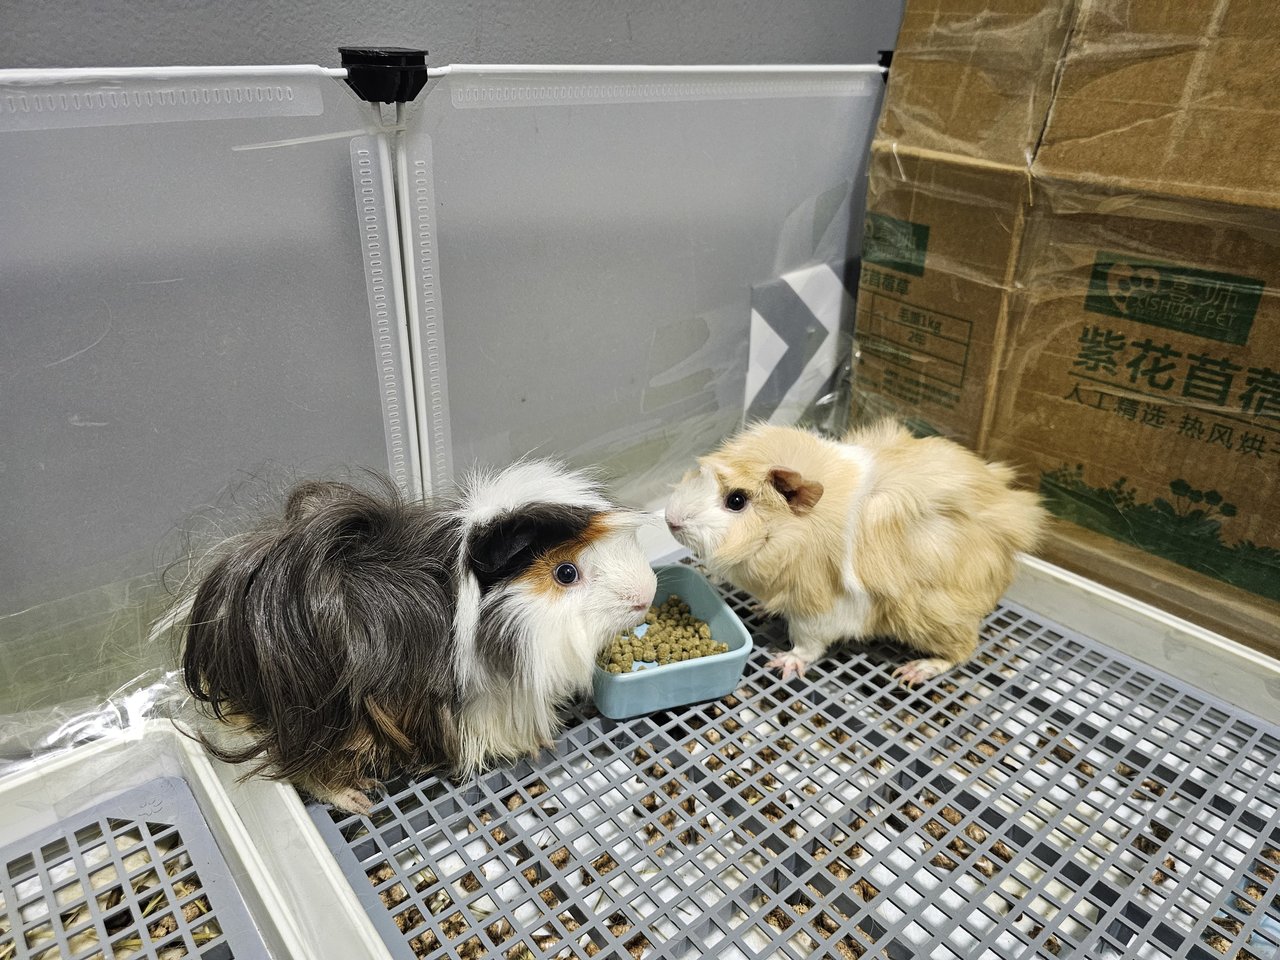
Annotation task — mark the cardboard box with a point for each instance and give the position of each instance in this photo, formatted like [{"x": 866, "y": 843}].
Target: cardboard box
[
  {"x": 1141, "y": 386},
  {"x": 1122, "y": 306},
  {"x": 937, "y": 253},
  {"x": 948, "y": 190}
]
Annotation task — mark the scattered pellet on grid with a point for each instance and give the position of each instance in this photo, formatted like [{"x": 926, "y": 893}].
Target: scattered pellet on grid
[{"x": 1051, "y": 798}]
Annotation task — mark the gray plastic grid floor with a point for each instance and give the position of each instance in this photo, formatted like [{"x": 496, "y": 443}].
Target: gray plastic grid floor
[
  {"x": 1049, "y": 798},
  {"x": 136, "y": 876}
]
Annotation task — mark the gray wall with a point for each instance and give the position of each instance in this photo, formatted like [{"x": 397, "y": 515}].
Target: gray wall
[{"x": 111, "y": 33}]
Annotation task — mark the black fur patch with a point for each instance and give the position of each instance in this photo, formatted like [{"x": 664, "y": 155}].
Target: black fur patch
[
  {"x": 328, "y": 630},
  {"x": 505, "y": 547}
]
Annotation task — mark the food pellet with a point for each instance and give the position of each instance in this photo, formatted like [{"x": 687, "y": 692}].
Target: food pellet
[{"x": 673, "y": 635}]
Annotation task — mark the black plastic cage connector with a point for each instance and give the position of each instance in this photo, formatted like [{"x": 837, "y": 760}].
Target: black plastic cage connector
[{"x": 385, "y": 74}]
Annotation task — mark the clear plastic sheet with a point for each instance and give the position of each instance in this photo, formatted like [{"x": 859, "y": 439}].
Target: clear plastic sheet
[
  {"x": 586, "y": 249},
  {"x": 76, "y": 722},
  {"x": 602, "y": 252},
  {"x": 200, "y": 273},
  {"x": 184, "y": 306}
]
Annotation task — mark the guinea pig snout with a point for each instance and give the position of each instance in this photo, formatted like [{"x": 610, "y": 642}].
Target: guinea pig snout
[
  {"x": 640, "y": 597},
  {"x": 675, "y": 522}
]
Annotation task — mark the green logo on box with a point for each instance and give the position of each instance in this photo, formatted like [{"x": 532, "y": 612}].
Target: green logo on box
[
  {"x": 1220, "y": 306},
  {"x": 897, "y": 244}
]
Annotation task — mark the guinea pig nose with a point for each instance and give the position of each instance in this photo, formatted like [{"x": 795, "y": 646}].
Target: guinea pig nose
[{"x": 674, "y": 523}]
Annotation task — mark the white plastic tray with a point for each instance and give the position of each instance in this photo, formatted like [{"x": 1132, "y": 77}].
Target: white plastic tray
[{"x": 55, "y": 790}]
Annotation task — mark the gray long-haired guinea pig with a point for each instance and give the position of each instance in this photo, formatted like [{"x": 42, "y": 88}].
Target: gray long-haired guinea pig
[
  {"x": 883, "y": 534},
  {"x": 362, "y": 633}
]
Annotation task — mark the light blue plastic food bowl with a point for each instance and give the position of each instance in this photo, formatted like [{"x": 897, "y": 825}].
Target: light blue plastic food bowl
[{"x": 621, "y": 695}]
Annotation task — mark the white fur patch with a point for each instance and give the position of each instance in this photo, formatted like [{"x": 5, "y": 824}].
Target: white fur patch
[
  {"x": 847, "y": 619},
  {"x": 466, "y": 616},
  {"x": 556, "y": 633},
  {"x": 864, "y": 460},
  {"x": 529, "y": 481},
  {"x": 696, "y": 508}
]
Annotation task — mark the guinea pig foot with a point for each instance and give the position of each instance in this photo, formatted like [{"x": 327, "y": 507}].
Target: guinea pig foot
[
  {"x": 918, "y": 671},
  {"x": 349, "y": 800},
  {"x": 789, "y": 665}
]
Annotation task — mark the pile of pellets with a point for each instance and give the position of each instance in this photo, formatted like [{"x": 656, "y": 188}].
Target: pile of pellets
[{"x": 671, "y": 635}]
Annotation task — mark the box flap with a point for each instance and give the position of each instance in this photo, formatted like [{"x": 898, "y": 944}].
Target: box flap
[
  {"x": 1176, "y": 99},
  {"x": 974, "y": 77}
]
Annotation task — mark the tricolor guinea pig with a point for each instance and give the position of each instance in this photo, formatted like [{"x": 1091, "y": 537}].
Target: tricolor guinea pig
[
  {"x": 360, "y": 632},
  {"x": 884, "y": 534},
  {"x": 548, "y": 572}
]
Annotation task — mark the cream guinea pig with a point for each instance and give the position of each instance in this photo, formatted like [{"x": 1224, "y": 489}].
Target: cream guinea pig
[{"x": 884, "y": 534}]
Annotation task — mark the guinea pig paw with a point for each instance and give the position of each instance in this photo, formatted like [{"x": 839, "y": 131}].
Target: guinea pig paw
[
  {"x": 351, "y": 800},
  {"x": 789, "y": 665},
  {"x": 919, "y": 671}
]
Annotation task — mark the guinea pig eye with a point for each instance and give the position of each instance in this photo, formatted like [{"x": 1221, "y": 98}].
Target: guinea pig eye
[
  {"x": 566, "y": 573},
  {"x": 736, "y": 500}
]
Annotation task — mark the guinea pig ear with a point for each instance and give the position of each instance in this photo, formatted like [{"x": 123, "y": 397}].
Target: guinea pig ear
[
  {"x": 800, "y": 494},
  {"x": 508, "y": 544}
]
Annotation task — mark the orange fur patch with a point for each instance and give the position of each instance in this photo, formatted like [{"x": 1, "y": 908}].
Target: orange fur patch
[{"x": 539, "y": 575}]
